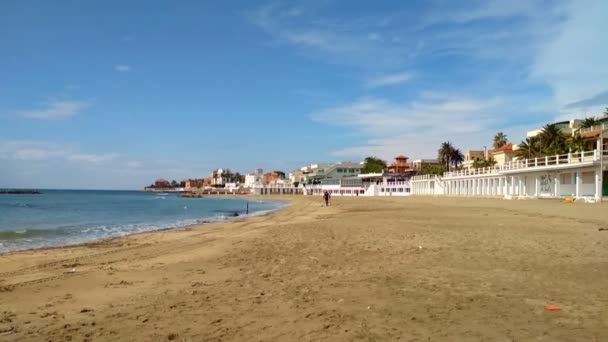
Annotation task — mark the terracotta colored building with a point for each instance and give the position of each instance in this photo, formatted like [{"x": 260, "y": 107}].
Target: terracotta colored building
[
  {"x": 161, "y": 183},
  {"x": 400, "y": 165}
]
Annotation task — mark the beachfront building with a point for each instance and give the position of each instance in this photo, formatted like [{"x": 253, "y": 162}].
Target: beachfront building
[
  {"x": 368, "y": 184},
  {"x": 400, "y": 165},
  {"x": 325, "y": 173},
  {"x": 568, "y": 127},
  {"x": 252, "y": 179},
  {"x": 579, "y": 175},
  {"x": 471, "y": 155},
  {"x": 217, "y": 178},
  {"x": 505, "y": 154}
]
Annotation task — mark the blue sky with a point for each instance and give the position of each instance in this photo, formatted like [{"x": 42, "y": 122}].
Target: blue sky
[{"x": 114, "y": 94}]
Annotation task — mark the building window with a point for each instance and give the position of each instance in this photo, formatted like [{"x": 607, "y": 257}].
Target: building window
[
  {"x": 588, "y": 178},
  {"x": 566, "y": 178}
]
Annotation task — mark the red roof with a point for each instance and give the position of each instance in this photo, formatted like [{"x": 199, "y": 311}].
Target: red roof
[
  {"x": 593, "y": 133},
  {"x": 507, "y": 147}
]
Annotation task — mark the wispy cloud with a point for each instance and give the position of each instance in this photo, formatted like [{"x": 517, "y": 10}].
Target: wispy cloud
[
  {"x": 417, "y": 127},
  {"x": 56, "y": 110},
  {"x": 27, "y": 150},
  {"x": 352, "y": 42},
  {"x": 387, "y": 80},
  {"x": 122, "y": 68},
  {"x": 573, "y": 62},
  {"x": 93, "y": 158}
]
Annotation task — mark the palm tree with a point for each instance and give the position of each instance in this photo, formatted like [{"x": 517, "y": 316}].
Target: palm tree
[
  {"x": 553, "y": 141},
  {"x": 529, "y": 148},
  {"x": 500, "y": 140},
  {"x": 456, "y": 157},
  {"x": 444, "y": 153},
  {"x": 576, "y": 143},
  {"x": 590, "y": 122}
]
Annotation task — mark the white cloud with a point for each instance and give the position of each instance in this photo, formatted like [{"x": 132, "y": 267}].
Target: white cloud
[
  {"x": 122, "y": 68},
  {"x": 332, "y": 39},
  {"x": 56, "y": 110},
  {"x": 573, "y": 62},
  {"x": 24, "y": 150},
  {"x": 387, "y": 80},
  {"x": 416, "y": 128},
  {"x": 93, "y": 158}
]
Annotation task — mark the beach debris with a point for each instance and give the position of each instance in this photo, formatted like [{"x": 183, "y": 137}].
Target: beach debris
[
  {"x": 419, "y": 247},
  {"x": 602, "y": 229},
  {"x": 7, "y": 330},
  {"x": 85, "y": 310},
  {"x": 73, "y": 270},
  {"x": 551, "y": 307}
]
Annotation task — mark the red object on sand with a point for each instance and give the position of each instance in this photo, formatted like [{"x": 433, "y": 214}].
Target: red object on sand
[{"x": 552, "y": 307}]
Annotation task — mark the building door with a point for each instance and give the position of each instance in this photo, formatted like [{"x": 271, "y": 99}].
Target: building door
[
  {"x": 546, "y": 185},
  {"x": 605, "y": 183}
]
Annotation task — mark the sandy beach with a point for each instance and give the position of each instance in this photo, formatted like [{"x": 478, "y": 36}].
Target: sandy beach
[{"x": 364, "y": 269}]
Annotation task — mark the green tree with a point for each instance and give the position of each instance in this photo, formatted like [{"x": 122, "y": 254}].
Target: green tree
[
  {"x": 553, "y": 140},
  {"x": 500, "y": 140},
  {"x": 280, "y": 173},
  {"x": 374, "y": 165},
  {"x": 432, "y": 170},
  {"x": 456, "y": 157},
  {"x": 174, "y": 184},
  {"x": 529, "y": 148},
  {"x": 576, "y": 143},
  {"x": 444, "y": 154},
  {"x": 590, "y": 122}
]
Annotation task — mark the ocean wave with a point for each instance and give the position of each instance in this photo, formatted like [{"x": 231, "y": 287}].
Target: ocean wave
[
  {"x": 18, "y": 239},
  {"x": 24, "y": 233}
]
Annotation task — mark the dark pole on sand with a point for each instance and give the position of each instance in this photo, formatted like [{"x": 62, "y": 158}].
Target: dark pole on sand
[{"x": 247, "y": 211}]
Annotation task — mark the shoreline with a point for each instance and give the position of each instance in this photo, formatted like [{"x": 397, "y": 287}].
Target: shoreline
[
  {"x": 381, "y": 268},
  {"x": 186, "y": 226}
]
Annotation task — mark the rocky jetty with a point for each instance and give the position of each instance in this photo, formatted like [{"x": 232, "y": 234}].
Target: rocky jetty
[{"x": 19, "y": 192}]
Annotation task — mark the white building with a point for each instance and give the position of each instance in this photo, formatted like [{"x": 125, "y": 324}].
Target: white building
[
  {"x": 326, "y": 173},
  {"x": 579, "y": 175},
  {"x": 251, "y": 179}
]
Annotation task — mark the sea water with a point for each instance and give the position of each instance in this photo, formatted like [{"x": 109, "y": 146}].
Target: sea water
[{"x": 61, "y": 217}]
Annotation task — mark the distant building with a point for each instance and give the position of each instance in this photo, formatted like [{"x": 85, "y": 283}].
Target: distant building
[
  {"x": 324, "y": 172},
  {"x": 504, "y": 154},
  {"x": 272, "y": 177},
  {"x": 216, "y": 177},
  {"x": 567, "y": 127},
  {"x": 471, "y": 155},
  {"x": 162, "y": 183},
  {"x": 400, "y": 165},
  {"x": 252, "y": 179}
]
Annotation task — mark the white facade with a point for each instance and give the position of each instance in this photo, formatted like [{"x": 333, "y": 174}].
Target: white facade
[
  {"x": 252, "y": 179},
  {"x": 577, "y": 175}
]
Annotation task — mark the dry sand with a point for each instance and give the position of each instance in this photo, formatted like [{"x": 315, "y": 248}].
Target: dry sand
[{"x": 371, "y": 269}]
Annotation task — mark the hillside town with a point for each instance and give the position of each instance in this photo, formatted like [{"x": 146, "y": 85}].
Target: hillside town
[{"x": 559, "y": 160}]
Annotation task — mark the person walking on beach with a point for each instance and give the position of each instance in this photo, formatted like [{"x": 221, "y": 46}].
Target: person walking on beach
[{"x": 326, "y": 197}]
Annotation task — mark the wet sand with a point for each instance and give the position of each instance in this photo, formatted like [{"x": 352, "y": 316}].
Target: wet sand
[{"x": 364, "y": 269}]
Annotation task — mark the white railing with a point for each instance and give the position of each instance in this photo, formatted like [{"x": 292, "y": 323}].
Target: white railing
[
  {"x": 593, "y": 128},
  {"x": 472, "y": 172},
  {"x": 561, "y": 159},
  {"x": 423, "y": 177}
]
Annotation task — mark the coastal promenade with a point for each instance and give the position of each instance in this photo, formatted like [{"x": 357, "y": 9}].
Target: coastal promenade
[{"x": 364, "y": 269}]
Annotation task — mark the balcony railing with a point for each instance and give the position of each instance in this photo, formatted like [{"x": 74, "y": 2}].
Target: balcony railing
[
  {"x": 593, "y": 128},
  {"x": 562, "y": 159}
]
